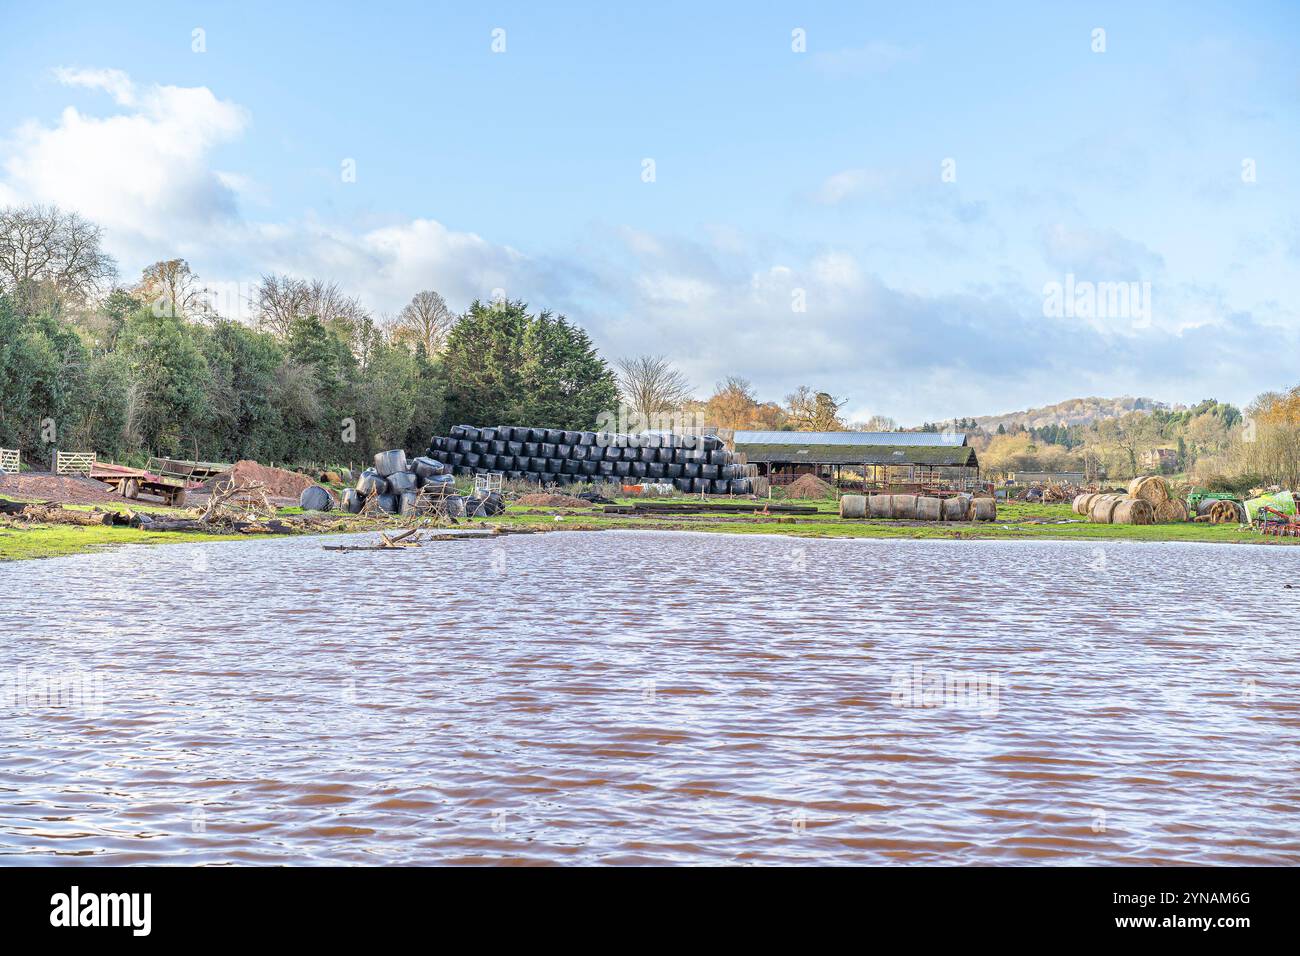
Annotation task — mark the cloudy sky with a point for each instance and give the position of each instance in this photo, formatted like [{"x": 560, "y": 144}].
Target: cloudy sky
[{"x": 863, "y": 199}]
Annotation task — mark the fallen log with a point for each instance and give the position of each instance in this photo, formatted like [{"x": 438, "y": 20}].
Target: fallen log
[{"x": 45, "y": 513}]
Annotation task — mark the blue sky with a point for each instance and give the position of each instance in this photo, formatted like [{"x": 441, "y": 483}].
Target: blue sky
[{"x": 779, "y": 176}]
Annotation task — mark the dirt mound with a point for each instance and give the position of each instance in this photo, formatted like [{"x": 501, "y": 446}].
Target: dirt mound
[
  {"x": 544, "y": 500},
  {"x": 279, "y": 482},
  {"x": 64, "y": 489},
  {"x": 808, "y": 486}
]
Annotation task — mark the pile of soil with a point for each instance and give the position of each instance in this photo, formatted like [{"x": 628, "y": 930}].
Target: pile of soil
[
  {"x": 279, "y": 482},
  {"x": 65, "y": 489},
  {"x": 808, "y": 486},
  {"x": 543, "y": 500}
]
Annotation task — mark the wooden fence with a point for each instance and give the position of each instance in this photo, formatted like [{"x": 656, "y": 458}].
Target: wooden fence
[{"x": 73, "y": 462}]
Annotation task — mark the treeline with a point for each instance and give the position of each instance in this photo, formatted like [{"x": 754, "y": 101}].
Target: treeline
[
  {"x": 1213, "y": 443},
  {"x": 308, "y": 378}
]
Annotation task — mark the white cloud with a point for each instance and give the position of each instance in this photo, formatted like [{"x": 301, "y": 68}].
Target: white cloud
[{"x": 142, "y": 173}]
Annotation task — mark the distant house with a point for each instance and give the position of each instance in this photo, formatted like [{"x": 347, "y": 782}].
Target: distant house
[
  {"x": 1159, "y": 459},
  {"x": 879, "y": 458}
]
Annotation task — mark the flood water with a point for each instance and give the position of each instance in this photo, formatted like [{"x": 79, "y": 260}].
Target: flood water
[{"x": 641, "y": 697}]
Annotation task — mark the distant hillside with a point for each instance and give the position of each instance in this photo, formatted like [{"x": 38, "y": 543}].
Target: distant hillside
[{"x": 1074, "y": 411}]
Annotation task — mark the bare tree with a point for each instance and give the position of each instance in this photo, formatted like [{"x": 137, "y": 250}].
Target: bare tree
[
  {"x": 425, "y": 320},
  {"x": 814, "y": 411},
  {"x": 650, "y": 386},
  {"x": 45, "y": 247},
  {"x": 283, "y": 299},
  {"x": 170, "y": 287}
]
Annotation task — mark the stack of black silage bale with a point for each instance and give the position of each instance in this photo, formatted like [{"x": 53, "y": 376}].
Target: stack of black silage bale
[{"x": 553, "y": 456}]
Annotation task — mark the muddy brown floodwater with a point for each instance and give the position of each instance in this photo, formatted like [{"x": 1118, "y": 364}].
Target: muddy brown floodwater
[{"x": 642, "y": 697}]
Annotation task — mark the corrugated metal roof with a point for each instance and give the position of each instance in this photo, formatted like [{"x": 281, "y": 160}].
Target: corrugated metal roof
[
  {"x": 861, "y": 454},
  {"x": 928, "y": 439}
]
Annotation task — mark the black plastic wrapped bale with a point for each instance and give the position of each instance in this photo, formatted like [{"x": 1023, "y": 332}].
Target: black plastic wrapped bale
[
  {"x": 553, "y": 466},
  {"x": 390, "y": 462},
  {"x": 316, "y": 498},
  {"x": 479, "y": 447},
  {"x": 741, "y": 486},
  {"x": 588, "y": 438},
  {"x": 637, "y": 469},
  {"x": 457, "y": 431},
  {"x": 497, "y": 447},
  {"x": 455, "y": 506},
  {"x": 530, "y": 449},
  {"x": 700, "y": 485},
  {"x": 673, "y": 471},
  {"x": 494, "y": 504},
  {"x": 406, "y": 481},
  {"x": 515, "y": 448},
  {"x": 682, "y": 484},
  {"x": 472, "y": 460},
  {"x": 388, "y": 503},
  {"x": 537, "y": 464},
  {"x": 590, "y": 468},
  {"x": 464, "y": 446},
  {"x": 570, "y": 467},
  {"x": 487, "y": 434},
  {"x": 622, "y": 468},
  {"x": 370, "y": 483},
  {"x": 406, "y": 502},
  {"x": 439, "y": 481},
  {"x": 427, "y": 467},
  {"x": 563, "y": 451},
  {"x": 487, "y": 462},
  {"x": 469, "y": 432},
  {"x": 722, "y": 486},
  {"x": 546, "y": 450},
  {"x": 578, "y": 453},
  {"x": 352, "y": 501},
  {"x": 554, "y": 436}
]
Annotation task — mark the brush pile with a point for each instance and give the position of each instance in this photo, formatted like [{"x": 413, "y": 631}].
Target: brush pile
[{"x": 696, "y": 464}]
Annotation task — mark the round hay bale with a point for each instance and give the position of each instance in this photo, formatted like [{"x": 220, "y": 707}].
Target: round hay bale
[
  {"x": 1134, "y": 511},
  {"x": 1104, "y": 508},
  {"x": 984, "y": 509},
  {"x": 1218, "y": 511},
  {"x": 957, "y": 508},
  {"x": 1172, "y": 511},
  {"x": 1152, "y": 488},
  {"x": 879, "y": 506},
  {"x": 853, "y": 506},
  {"x": 1077, "y": 506},
  {"x": 929, "y": 509},
  {"x": 903, "y": 506}
]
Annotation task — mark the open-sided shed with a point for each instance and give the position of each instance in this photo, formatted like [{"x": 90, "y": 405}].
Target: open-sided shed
[{"x": 876, "y": 459}]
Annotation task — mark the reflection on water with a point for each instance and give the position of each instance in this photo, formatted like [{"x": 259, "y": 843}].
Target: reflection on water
[{"x": 652, "y": 697}]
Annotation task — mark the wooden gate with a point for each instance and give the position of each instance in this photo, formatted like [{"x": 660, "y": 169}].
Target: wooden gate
[
  {"x": 10, "y": 460},
  {"x": 73, "y": 462}
]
